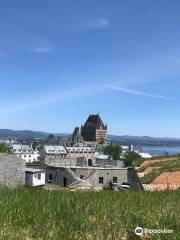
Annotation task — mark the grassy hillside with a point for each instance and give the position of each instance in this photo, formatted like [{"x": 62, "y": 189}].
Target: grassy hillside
[
  {"x": 40, "y": 214},
  {"x": 165, "y": 165}
]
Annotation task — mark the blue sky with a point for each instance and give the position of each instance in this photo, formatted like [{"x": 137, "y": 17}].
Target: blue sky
[{"x": 62, "y": 60}]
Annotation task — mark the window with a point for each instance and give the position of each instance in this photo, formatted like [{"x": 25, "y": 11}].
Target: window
[
  {"x": 39, "y": 176},
  {"x": 114, "y": 179},
  {"x": 50, "y": 177},
  {"x": 24, "y": 155},
  {"x": 81, "y": 176},
  {"x": 90, "y": 162},
  {"x": 65, "y": 181},
  {"x": 101, "y": 180},
  {"x": 30, "y": 156}
]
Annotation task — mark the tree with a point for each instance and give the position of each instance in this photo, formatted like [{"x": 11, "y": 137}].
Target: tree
[
  {"x": 5, "y": 149},
  {"x": 113, "y": 150},
  {"x": 131, "y": 157}
]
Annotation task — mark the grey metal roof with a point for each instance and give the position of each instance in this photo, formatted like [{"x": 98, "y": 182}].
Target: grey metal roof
[
  {"x": 20, "y": 148},
  {"x": 17, "y": 148},
  {"x": 80, "y": 149},
  {"x": 55, "y": 149}
]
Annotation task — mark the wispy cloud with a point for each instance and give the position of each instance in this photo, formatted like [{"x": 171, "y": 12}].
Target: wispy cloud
[
  {"x": 100, "y": 23},
  {"x": 91, "y": 24},
  {"x": 47, "y": 99},
  {"x": 136, "y": 92},
  {"x": 175, "y": 59},
  {"x": 41, "y": 49}
]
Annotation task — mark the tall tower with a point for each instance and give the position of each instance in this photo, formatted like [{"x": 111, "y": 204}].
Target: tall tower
[{"x": 94, "y": 129}]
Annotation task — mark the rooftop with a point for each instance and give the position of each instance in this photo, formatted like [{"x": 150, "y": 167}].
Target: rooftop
[
  {"x": 94, "y": 121},
  {"x": 34, "y": 170},
  {"x": 55, "y": 149}
]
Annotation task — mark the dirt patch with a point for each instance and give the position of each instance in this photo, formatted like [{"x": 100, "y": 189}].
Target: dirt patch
[
  {"x": 150, "y": 169},
  {"x": 160, "y": 187},
  {"x": 167, "y": 180}
]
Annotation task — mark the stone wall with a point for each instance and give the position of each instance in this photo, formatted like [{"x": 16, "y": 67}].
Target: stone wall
[
  {"x": 134, "y": 179},
  {"x": 12, "y": 170},
  {"x": 83, "y": 154},
  {"x": 58, "y": 162},
  {"x": 58, "y": 176},
  {"x": 90, "y": 174},
  {"x": 107, "y": 174}
]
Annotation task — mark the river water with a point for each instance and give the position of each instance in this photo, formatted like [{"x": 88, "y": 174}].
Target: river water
[{"x": 160, "y": 151}]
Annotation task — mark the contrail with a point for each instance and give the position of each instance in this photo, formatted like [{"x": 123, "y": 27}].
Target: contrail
[{"x": 136, "y": 92}]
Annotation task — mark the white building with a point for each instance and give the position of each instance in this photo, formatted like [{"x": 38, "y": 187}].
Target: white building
[
  {"x": 127, "y": 148},
  {"x": 145, "y": 155},
  {"x": 7, "y": 141},
  {"x": 25, "y": 152},
  {"x": 34, "y": 177},
  {"x": 103, "y": 156}
]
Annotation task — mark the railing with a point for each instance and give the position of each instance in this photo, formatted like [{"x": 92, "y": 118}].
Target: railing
[
  {"x": 92, "y": 172},
  {"x": 76, "y": 165}
]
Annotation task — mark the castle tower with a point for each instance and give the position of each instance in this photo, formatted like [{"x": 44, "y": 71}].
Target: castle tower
[{"x": 94, "y": 129}]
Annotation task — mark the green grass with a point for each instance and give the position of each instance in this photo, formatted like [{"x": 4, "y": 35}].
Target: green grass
[
  {"x": 165, "y": 157},
  {"x": 160, "y": 164},
  {"x": 166, "y": 166},
  {"x": 37, "y": 163},
  {"x": 41, "y": 214},
  {"x": 138, "y": 162}
]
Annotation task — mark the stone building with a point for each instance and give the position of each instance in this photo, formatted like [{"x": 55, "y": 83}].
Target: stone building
[
  {"x": 81, "y": 152},
  {"x": 94, "y": 129},
  {"x": 63, "y": 154},
  {"x": 53, "y": 151},
  {"x": 94, "y": 174},
  {"x": 75, "y": 139},
  {"x": 12, "y": 170}
]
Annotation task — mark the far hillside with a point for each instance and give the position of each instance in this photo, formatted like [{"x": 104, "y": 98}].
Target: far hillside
[{"x": 123, "y": 140}]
